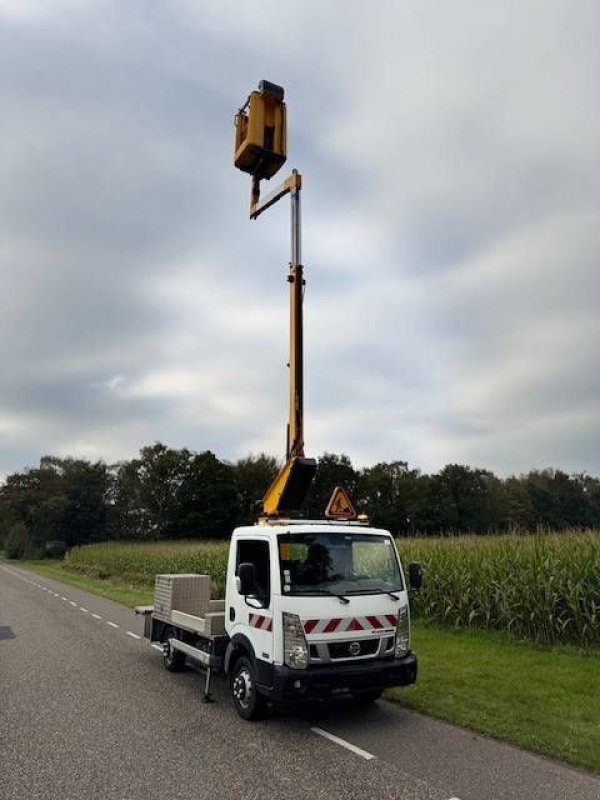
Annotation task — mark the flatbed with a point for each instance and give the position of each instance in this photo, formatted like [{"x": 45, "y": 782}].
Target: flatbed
[{"x": 183, "y": 635}]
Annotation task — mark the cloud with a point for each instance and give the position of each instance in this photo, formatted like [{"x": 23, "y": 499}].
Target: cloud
[{"x": 450, "y": 213}]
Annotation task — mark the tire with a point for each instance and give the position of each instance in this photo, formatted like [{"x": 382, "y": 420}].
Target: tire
[
  {"x": 248, "y": 703},
  {"x": 173, "y": 660},
  {"x": 368, "y": 697}
]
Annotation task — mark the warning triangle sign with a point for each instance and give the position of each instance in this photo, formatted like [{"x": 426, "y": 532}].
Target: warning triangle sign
[{"x": 339, "y": 505}]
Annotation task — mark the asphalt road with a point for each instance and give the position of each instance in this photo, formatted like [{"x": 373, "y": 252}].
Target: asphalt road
[{"x": 88, "y": 711}]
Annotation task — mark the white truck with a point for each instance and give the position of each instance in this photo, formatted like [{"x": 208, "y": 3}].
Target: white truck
[{"x": 312, "y": 610}]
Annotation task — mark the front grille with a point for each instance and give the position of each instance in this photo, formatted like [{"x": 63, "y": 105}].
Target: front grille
[{"x": 367, "y": 647}]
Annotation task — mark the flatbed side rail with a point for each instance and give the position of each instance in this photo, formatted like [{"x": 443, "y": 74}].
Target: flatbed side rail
[
  {"x": 208, "y": 660},
  {"x": 211, "y": 659}
]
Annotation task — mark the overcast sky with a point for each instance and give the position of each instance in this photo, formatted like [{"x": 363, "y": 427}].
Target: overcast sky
[{"x": 451, "y": 230}]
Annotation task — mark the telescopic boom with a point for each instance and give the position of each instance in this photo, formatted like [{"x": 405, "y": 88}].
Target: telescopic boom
[{"x": 260, "y": 150}]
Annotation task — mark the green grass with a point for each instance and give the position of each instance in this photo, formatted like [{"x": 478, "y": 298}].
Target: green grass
[
  {"x": 115, "y": 589},
  {"x": 543, "y": 699}
]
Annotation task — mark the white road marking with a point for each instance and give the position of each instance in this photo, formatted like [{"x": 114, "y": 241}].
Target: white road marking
[
  {"x": 114, "y": 625},
  {"x": 343, "y": 743},
  {"x": 454, "y": 798},
  {"x": 157, "y": 647}
]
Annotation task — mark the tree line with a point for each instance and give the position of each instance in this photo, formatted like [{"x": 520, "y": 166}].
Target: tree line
[{"x": 166, "y": 493}]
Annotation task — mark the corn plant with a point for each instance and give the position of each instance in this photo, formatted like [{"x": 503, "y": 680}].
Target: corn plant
[{"x": 543, "y": 587}]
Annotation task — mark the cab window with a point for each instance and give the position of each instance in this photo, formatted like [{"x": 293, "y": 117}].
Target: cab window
[{"x": 253, "y": 551}]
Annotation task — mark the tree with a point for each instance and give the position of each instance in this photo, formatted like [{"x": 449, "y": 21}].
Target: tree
[
  {"x": 519, "y": 513},
  {"x": 590, "y": 488},
  {"x": 558, "y": 501},
  {"x": 85, "y": 487},
  {"x": 6, "y": 521},
  {"x": 17, "y": 542},
  {"x": 126, "y": 520},
  {"x": 332, "y": 470},
  {"x": 394, "y": 496},
  {"x": 37, "y": 498},
  {"x": 466, "y": 499},
  {"x": 61, "y": 500},
  {"x": 254, "y": 475},
  {"x": 147, "y": 493},
  {"x": 169, "y": 493},
  {"x": 209, "y": 499}
]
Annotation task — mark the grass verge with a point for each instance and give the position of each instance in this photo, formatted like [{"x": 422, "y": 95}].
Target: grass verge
[
  {"x": 119, "y": 591},
  {"x": 543, "y": 699}
]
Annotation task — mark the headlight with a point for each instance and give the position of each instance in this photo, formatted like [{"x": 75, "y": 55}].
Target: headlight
[
  {"x": 402, "y": 633},
  {"x": 295, "y": 649}
]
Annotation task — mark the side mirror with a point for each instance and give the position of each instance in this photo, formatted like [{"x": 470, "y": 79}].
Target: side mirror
[
  {"x": 415, "y": 575},
  {"x": 246, "y": 579}
]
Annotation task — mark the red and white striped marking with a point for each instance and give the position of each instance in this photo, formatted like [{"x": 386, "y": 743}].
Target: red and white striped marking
[
  {"x": 342, "y": 624},
  {"x": 260, "y": 622}
]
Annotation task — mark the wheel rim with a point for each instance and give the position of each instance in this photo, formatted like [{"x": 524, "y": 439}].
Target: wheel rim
[{"x": 242, "y": 687}]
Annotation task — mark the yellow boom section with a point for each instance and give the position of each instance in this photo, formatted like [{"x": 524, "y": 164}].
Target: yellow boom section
[{"x": 289, "y": 489}]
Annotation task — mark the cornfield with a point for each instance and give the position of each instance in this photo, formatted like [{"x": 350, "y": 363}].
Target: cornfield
[
  {"x": 542, "y": 587},
  {"x": 137, "y": 564}
]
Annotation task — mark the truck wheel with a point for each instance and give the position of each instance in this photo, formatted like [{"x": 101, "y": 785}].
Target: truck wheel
[
  {"x": 173, "y": 660},
  {"x": 248, "y": 703},
  {"x": 365, "y": 698}
]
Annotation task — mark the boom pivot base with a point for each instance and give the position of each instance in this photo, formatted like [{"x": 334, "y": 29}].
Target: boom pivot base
[{"x": 290, "y": 488}]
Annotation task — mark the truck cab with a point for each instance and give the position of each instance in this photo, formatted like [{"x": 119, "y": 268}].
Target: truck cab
[{"x": 315, "y": 610}]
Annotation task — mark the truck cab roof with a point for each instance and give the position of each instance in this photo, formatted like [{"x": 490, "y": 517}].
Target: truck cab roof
[{"x": 278, "y": 526}]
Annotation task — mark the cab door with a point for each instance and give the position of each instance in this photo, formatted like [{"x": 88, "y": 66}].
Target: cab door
[{"x": 254, "y": 614}]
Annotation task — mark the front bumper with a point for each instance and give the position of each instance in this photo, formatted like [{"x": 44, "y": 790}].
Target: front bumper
[{"x": 323, "y": 682}]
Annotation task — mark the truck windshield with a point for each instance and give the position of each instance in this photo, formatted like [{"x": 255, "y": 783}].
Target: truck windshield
[{"x": 340, "y": 563}]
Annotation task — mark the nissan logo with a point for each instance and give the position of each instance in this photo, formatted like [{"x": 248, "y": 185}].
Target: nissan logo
[{"x": 354, "y": 648}]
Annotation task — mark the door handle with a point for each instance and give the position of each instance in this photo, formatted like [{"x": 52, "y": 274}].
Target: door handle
[{"x": 231, "y": 613}]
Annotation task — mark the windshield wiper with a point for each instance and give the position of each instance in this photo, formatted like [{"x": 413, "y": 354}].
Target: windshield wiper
[
  {"x": 377, "y": 590},
  {"x": 340, "y": 597}
]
